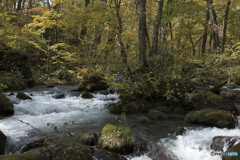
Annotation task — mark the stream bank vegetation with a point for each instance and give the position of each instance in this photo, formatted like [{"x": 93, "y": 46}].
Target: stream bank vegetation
[{"x": 161, "y": 57}]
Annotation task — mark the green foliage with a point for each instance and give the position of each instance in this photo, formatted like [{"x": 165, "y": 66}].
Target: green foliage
[{"x": 24, "y": 156}]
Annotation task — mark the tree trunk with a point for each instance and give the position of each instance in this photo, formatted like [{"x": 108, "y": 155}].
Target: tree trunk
[
  {"x": 23, "y": 5},
  {"x": 155, "y": 44},
  {"x": 6, "y": 3},
  {"x": 48, "y": 3},
  {"x": 205, "y": 32},
  {"x": 213, "y": 18},
  {"x": 30, "y": 4},
  {"x": 123, "y": 52},
  {"x": 225, "y": 21},
  {"x": 19, "y": 6},
  {"x": 142, "y": 34},
  {"x": 84, "y": 28}
]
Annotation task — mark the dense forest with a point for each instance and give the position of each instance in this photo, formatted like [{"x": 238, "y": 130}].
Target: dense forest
[{"x": 160, "y": 56}]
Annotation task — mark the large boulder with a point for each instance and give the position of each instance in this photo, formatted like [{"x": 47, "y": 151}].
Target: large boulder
[
  {"x": 3, "y": 140},
  {"x": 6, "y": 106},
  {"x": 23, "y": 96},
  {"x": 66, "y": 152},
  {"x": 233, "y": 153},
  {"x": 117, "y": 139},
  {"x": 93, "y": 83},
  {"x": 86, "y": 95},
  {"x": 24, "y": 156},
  {"x": 210, "y": 117},
  {"x": 219, "y": 142},
  {"x": 106, "y": 155}
]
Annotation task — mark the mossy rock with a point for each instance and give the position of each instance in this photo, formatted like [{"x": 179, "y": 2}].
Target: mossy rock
[
  {"x": 86, "y": 95},
  {"x": 66, "y": 152},
  {"x": 24, "y": 156},
  {"x": 23, "y": 96},
  {"x": 3, "y": 140},
  {"x": 93, "y": 83},
  {"x": 119, "y": 107},
  {"x": 179, "y": 110},
  {"x": 6, "y": 106},
  {"x": 156, "y": 114},
  {"x": 235, "y": 149},
  {"x": 165, "y": 109},
  {"x": 143, "y": 119},
  {"x": 83, "y": 138},
  {"x": 119, "y": 139},
  {"x": 217, "y": 118}
]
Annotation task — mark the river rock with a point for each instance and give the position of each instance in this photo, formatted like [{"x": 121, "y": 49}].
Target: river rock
[
  {"x": 179, "y": 130},
  {"x": 66, "y": 152},
  {"x": 219, "y": 142},
  {"x": 85, "y": 138},
  {"x": 24, "y": 156},
  {"x": 102, "y": 154},
  {"x": 235, "y": 151},
  {"x": 23, "y": 96},
  {"x": 33, "y": 145},
  {"x": 157, "y": 114},
  {"x": 210, "y": 117},
  {"x": 86, "y": 95},
  {"x": 93, "y": 83},
  {"x": 3, "y": 140},
  {"x": 118, "y": 139},
  {"x": 59, "y": 96},
  {"x": 6, "y": 106},
  {"x": 161, "y": 153}
]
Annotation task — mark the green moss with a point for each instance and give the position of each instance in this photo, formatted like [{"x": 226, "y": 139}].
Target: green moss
[
  {"x": 83, "y": 138},
  {"x": 214, "y": 98},
  {"x": 86, "y": 95},
  {"x": 24, "y": 156},
  {"x": 69, "y": 151},
  {"x": 235, "y": 148},
  {"x": 117, "y": 139},
  {"x": 156, "y": 114},
  {"x": 217, "y": 118},
  {"x": 179, "y": 110},
  {"x": 23, "y": 96},
  {"x": 6, "y": 106},
  {"x": 143, "y": 119}
]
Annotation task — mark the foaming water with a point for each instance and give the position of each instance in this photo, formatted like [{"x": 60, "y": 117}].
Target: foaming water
[
  {"x": 143, "y": 157},
  {"x": 195, "y": 143},
  {"x": 44, "y": 109}
]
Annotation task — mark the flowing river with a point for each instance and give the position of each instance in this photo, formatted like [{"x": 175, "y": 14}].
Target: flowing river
[{"x": 92, "y": 114}]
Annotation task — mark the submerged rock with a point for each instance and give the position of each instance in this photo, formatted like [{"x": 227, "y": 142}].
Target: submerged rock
[
  {"x": 161, "y": 153},
  {"x": 219, "y": 142},
  {"x": 24, "y": 156},
  {"x": 117, "y": 139},
  {"x": 3, "y": 140},
  {"x": 86, "y": 95},
  {"x": 6, "y": 106},
  {"x": 102, "y": 154},
  {"x": 93, "y": 83},
  {"x": 104, "y": 92},
  {"x": 59, "y": 96},
  {"x": 217, "y": 118},
  {"x": 23, "y": 96}
]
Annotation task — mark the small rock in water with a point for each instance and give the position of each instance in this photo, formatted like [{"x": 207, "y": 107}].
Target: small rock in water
[
  {"x": 23, "y": 96},
  {"x": 59, "y": 96},
  {"x": 50, "y": 86},
  {"x": 104, "y": 92}
]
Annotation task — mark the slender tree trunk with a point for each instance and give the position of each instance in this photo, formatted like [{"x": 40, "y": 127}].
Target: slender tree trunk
[
  {"x": 23, "y": 5},
  {"x": 205, "y": 32},
  {"x": 6, "y": 3},
  {"x": 193, "y": 45},
  {"x": 155, "y": 44},
  {"x": 19, "y": 6},
  {"x": 142, "y": 34},
  {"x": 225, "y": 22},
  {"x": 213, "y": 18},
  {"x": 48, "y": 3},
  {"x": 30, "y": 4},
  {"x": 123, "y": 52},
  {"x": 84, "y": 28}
]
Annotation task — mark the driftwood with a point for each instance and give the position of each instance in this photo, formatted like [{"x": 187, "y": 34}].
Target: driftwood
[{"x": 216, "y": 89}]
